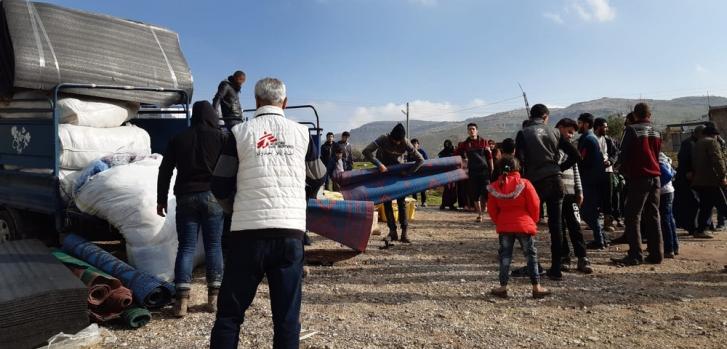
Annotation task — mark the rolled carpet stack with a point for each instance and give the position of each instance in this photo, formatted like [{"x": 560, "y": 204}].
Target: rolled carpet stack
[
  {"x": 39, "y": 296},
  {"x": 372, "y": 185},
  {"x": 346, "y": 222},
  {"x": 148, "y": 291},
  {"x": 107, "y": 297}
]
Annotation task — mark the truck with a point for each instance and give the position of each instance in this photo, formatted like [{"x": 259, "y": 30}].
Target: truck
[{"x": 31, "y": 204}]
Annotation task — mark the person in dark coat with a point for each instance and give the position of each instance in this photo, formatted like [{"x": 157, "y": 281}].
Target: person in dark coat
[
  {"x": 194, "y": 153},
  {"x": 449, "y": 195},
  {"x": 227, "y": 99},
  {"x": 418, "y": 147}
]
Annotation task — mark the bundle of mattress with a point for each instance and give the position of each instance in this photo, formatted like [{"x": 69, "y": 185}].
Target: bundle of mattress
[
  {"x": 42, "y": 45},
  {"x": 39, "y": 296}
]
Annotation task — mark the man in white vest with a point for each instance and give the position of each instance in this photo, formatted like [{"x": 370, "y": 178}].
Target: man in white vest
[{"x": 263, "y": 168}]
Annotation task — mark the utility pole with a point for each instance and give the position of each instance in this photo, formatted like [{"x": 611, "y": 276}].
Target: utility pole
[
  {"x": 407, "y": 118},
  {"x": 525, "y": 97}
]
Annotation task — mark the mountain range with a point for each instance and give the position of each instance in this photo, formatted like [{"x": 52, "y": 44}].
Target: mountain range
[{"x": 499, "y": 126}]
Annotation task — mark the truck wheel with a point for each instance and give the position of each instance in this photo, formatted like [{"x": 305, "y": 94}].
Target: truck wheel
[{"x": 8, "y": 226}]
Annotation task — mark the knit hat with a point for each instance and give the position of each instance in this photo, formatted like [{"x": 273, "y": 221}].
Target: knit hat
[
  {"x": 710, "y": 130},
  {"x": 398, "y": 133}
]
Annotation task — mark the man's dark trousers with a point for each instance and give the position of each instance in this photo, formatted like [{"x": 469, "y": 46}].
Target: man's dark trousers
[
  {"x": 281, "y": 261},
  {"x": 642, "y": 203},
  {"x": 551, "y": 192},
  {"x": 710, "y": 197}
]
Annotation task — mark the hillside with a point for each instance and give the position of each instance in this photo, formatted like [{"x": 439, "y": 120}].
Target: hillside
[{"x": 505, "y": 124}]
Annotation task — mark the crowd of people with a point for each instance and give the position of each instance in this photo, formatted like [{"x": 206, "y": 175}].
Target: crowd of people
[{"x": 251, "y": 179}]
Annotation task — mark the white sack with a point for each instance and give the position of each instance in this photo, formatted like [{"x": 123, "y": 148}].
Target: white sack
[
  {"x": 79, "y": 112},
  {"x": 81, "y": 145},
  {"x": 125, "y": 196}
]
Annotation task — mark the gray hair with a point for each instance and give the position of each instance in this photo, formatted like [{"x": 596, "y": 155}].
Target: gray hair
[{"x": 270, "y": 90}]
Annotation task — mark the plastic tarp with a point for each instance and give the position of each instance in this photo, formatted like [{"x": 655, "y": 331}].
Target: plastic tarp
[
  {"x": 148, "y": 290},
  {"x": 372, "y": 185},
  {"x": 82, "y": 145},
  {"x": 42, "y": 45},
  {"x": 80, "y": 112}
]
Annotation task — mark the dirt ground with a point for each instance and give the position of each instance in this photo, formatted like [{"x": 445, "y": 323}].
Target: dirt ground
[{"x": 433, "y": 294}]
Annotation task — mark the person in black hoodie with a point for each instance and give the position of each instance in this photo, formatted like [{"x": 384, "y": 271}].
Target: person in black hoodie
[
  {"x": 194, "y": 153},
  {"x": 449, "y": 195},
  {"x": 227, "y": 99}
]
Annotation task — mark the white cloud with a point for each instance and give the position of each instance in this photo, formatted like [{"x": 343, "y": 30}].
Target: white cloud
[
  {"x": 598, "y": 10},
  {"x": 553, "y": 17},
  {"x": 602, "y": 10},
  {"x": 345, "y": 116},
  {"x": 700, "y": 69},
  {"x": 585, "y": 10}
]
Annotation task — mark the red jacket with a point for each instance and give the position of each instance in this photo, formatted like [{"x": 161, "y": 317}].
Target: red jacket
[
  {"x": 513, "y": 205},
  {"x": 640, "y": 149}
]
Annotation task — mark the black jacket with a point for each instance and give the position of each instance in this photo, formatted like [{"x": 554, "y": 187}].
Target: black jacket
[
  {"x": 228, "y": 99},
  {"x": 193, "y": 152},
  {"x": 326, "y": 152},
  {"x": 538, "y": 148}
]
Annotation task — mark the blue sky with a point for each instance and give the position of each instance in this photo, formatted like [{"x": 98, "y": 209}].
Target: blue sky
[{"x": 361, "y": 60}]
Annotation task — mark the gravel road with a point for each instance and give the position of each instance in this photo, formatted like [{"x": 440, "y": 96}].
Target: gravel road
[{"x": 433, "y": 294}]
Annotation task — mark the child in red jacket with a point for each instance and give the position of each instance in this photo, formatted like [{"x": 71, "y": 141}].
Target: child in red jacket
[{"x": 514, "y": 207}]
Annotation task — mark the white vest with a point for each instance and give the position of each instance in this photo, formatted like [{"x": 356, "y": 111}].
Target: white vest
[{"x": 271, "y": 174}]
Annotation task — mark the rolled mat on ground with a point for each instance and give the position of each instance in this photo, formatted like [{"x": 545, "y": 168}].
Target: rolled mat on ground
[
  {"x": 372, "y": 185},
  {"x": 148, "y": 290},
  {"x": 136, "y": 317},
  {"x": 39, "y": 296},
  {"x": 346, "y": 222},
  {"x": 107, "y": 297}
]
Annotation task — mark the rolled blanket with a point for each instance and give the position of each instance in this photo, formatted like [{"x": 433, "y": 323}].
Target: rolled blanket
[
  {"x": 347, "y": 222},
  {"x": 136, "y": 317},
  {"x": 148, "y": 291},
  {"x": 388, "y": 188},
  {"x": 433, "y": 166}
]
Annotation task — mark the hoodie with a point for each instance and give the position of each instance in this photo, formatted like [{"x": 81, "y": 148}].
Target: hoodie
[
  {"x": 193, "y": 153},
  {"x": 513, "y": 205}
]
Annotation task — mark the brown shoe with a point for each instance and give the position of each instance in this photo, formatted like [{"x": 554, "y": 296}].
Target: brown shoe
[
  {"x": 212, "y": 299},
  {"x": 499, "y": 292},
  {"x": 180, "y": 305},
  {"x": 541, "y": 292}
]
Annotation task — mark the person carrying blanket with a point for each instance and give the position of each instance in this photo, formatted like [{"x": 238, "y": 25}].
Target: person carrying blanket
[{"x": 390, "y": 150}]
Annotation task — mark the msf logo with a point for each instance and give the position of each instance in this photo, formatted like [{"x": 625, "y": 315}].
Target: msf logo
[
  {"x": 266, "y": 140},
  {"x": 21, "y": 138}
]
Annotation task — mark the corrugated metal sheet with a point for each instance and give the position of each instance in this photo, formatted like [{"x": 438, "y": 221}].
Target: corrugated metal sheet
[
  {"x": 39, "y": 296},
  {"x": 51, "y": 45}
]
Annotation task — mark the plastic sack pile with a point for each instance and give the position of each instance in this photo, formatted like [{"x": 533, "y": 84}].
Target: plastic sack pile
[{"x": 121, "y": 189}]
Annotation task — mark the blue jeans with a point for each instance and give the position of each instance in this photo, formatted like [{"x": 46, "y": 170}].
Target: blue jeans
[
  {"x": 195, "y": 211},
  {"x": 668, "y": 226},
  {"x": 592, "y": 198},
  {"x": 527, "y": 243},
  {"x": 389, "y": 213},
  {"x": 281, "y": 260}
]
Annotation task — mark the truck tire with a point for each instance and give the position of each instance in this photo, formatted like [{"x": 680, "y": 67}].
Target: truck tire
[{"x": 10, "y": 226}]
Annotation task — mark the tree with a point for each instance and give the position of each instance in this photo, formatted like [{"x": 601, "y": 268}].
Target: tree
[{"x": 616, "y": 126}]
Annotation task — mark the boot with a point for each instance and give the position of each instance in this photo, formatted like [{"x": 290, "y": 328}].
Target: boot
[
  {"x": 393, "y": 236},
  {"x": 608, "y": 224},
  {"x": 212, "y": 293},
  {"x": 584, "y": 265},
  {"x": 404, "y": 237},
  {"x": 181, "y": 303}
]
